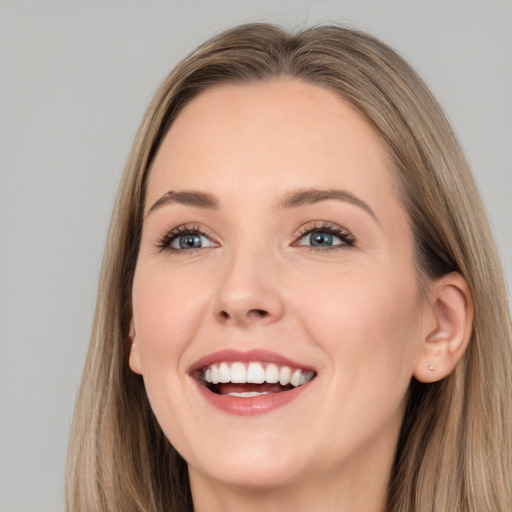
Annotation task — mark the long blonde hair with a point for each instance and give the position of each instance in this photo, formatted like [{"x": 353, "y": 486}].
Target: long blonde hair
[{"x": 455, "y": 447}]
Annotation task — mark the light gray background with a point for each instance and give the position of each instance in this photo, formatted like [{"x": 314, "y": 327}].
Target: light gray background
[{"x": 75, "y": 78}]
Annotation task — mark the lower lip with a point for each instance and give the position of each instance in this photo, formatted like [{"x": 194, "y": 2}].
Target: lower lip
[{"x": 253, "y": 405}]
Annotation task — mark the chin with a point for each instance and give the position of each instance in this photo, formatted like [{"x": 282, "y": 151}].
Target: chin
[{"x": 254, "y": 468}]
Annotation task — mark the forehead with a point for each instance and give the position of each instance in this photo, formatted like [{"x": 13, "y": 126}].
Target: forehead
[{"x": 287, "y": 131}]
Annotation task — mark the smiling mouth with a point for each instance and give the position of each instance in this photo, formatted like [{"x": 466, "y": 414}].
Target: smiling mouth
[{"x": 246, "y": 380}]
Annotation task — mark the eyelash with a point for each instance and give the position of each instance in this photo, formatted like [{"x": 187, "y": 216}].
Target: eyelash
[
  {"x": 343, "y": 234},
  {"x": 164, "y": 243}
]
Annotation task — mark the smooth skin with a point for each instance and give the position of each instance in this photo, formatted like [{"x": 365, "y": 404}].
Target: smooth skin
[{"x": 254, "y": 277}]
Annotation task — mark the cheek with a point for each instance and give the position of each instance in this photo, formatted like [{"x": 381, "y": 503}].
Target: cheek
[
  {"x": 368, "y": 326},
  {"x": 165, "y": 313}
]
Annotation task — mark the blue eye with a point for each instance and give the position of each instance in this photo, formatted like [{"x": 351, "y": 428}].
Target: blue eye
[
  {"x": 190, "y": 241},
  {"x": 320, "y": 239},
  {"x": 328, "y": 236},
  {"x": 184, "y": 238}
]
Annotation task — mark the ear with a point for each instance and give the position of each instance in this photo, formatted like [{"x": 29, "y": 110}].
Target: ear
[
  {"x": 134, "y": 359},
  {"x": 449, "y": 329}
]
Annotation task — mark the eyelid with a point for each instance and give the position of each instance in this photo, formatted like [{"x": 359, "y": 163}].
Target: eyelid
[
  {"x": 334, "y": 229},
  {"x": 164, "y": 242}
]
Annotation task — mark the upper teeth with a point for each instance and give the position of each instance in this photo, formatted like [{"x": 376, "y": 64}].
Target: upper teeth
[{"x": 255, "y": 373}]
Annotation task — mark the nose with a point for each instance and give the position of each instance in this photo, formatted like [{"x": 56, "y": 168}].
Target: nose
[{"x": 249, "y": 291}]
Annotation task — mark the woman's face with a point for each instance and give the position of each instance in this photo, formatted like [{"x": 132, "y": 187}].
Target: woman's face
[{"x": 274, "y": 248}]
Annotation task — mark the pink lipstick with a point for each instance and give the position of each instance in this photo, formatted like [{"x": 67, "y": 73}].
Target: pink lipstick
[{"x": 250, "y": 382}]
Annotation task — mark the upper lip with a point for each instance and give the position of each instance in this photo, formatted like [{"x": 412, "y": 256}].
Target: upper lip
[{"x": 247, "y": 356}]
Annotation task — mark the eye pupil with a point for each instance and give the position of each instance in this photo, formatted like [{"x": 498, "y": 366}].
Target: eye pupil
[
  {"x": 321, "y": 239},
  {"x": 190, "y": 241}
]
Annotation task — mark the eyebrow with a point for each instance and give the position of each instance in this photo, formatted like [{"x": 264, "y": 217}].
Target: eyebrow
[
  {"x": 187, "y": 198},
  {"x": 307, "y": 196},
  {"x": 294, "y": 199}
]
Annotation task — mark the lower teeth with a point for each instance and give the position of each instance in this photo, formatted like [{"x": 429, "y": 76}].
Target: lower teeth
[{"x": 248, "y": 394}]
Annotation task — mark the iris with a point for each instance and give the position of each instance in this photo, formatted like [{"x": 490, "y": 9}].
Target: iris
[
  {"x": 321, "y": 239},
  {"x": 189, "y": 241}
]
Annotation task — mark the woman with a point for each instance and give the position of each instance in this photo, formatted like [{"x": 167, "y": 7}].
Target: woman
[{"x": 300, "y": 306}]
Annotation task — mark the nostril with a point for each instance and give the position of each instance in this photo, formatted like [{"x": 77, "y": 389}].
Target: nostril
[
  {"x": 249, "y": 315},
  {"x": 258, "y": 312}
]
